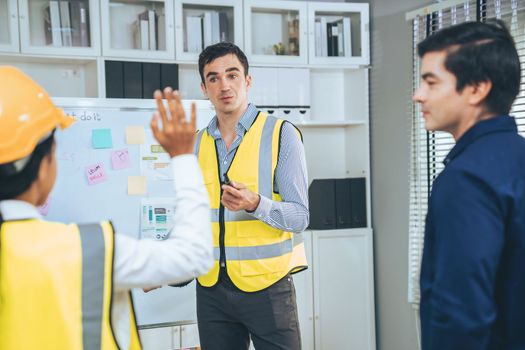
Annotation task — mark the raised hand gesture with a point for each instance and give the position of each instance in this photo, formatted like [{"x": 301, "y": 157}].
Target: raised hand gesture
[{"x": 177, "y": 135}]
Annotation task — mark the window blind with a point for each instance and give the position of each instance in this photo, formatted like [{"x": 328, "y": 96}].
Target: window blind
[{"x": 428, "y": 149}]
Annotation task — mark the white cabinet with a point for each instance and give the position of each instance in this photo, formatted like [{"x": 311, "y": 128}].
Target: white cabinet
[
  {"x": 304, "y": 291},
  {"x": 276, "y": 31},
  {"x": 8, "y": 26},
  {"x": 170, "y": 337},
  {"x": 59, "y": 28},
  {"x": 160, "y": 338},
  {"x": 200, "y": 23},
  {"x": 138, "y": 29},
  {"x": 335, "y": 296},
  {"x": 339, "y": 33},
  {"x": 189, "y": 336},
  {"x": 282, "y": 92}
]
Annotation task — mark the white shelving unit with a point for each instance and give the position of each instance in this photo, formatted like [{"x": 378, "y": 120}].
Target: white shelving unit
[
  {"x": 54, "y": 28},
  {"x": 192, "y": 16},
  {"x": 138, "y": 29},
  {"x": 337, "y": 16},
  {"x": 326, "y": 97},
  {"x": 276, "y": 32}
]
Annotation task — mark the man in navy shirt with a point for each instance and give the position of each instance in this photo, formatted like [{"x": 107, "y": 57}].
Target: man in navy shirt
[{"x": 473, "y": 269}]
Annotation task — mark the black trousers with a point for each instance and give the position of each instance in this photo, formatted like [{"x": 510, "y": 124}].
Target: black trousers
[{"x": 228, "y": 317}]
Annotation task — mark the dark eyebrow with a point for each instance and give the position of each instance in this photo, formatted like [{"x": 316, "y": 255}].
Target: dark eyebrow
[
  {"x": 428, "y": 75},
  {"x": 232, "y": 69}
]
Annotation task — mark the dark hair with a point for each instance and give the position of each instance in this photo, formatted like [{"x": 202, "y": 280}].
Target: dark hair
[
  {"x": 14, "y": 182},
  {"x": 214, "y": 51},
  {"x": 477, "y": 52}
]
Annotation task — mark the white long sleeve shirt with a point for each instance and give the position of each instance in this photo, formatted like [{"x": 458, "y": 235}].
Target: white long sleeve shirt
[{"x": 146, "y": 263}]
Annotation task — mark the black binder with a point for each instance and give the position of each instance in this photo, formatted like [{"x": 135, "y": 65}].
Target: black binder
[
  {"x": 169, "y": 75},
  {"x": 132, "y": 80},
  {"x": 358, "y": 202},
  {"x": 321, "y": 197},
  {"x": 343, "y": 208},
  {"x": 114, "y": 79},
  {"x": 150, "y": 79}
]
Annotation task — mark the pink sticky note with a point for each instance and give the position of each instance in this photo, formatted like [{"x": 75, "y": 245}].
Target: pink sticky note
[
  {"x": 120, "y": 159},
  {"x": 44, "y": 209},
  {"x": 95, "y": 174}
]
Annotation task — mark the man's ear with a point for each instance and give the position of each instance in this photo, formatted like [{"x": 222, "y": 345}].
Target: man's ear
[
  {"x": 479, "y": 92},
  {"x": 248, "y": 81},
  {"x": 203, "y": 89}
]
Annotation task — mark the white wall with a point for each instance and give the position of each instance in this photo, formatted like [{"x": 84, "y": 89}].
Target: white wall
[{"x": 390, "y": 93}]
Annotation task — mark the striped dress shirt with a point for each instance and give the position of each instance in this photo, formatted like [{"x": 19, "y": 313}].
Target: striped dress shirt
[{"x": 291, "y": 179}]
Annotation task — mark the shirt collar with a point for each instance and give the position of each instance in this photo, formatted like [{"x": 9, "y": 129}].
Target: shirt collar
[
  {"x": 502, "y": 123},
  {"x": 243, "y": 125},
  {"x": 18, "y": 210}
]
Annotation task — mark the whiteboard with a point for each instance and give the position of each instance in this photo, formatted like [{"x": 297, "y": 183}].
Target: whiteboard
[{"x": 73, "y": 199}]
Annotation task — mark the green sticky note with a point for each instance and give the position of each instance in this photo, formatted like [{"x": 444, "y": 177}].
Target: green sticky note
[{"x": 101, "y": 138}]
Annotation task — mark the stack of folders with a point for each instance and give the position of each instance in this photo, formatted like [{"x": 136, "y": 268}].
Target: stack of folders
[
  {"x": 206, "y": 29},
  {"x": 149, "y": 32},
  {"x": 67, "y": 23},
  {"x": 333, "y": 37}
]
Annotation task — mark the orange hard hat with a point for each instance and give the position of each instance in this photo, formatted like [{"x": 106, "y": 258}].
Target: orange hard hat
[{"x": 27, "y": 114}]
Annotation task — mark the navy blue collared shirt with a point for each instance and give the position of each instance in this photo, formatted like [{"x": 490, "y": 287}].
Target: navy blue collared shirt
[{"x": 473, "y": 268}]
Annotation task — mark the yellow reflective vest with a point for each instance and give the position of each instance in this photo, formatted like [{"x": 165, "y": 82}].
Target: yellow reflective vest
[
  {"x": 56, "y": 287},
  {"x": 255, "y": 254}
]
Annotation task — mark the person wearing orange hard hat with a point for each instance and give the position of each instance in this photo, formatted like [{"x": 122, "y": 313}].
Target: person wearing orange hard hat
[{"x": 66, "y": 286}]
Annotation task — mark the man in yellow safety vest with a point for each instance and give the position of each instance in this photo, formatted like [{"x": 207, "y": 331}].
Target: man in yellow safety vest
[{"x": 255, "y": 172}]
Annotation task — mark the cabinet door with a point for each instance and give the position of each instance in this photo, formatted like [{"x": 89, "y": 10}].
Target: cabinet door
[
  {"x": 189, "y": 336},
  {"x": 200, "y": 23},
  {"x": 275, "y": 31},
  {"x": 338, "y": 34},
  {"x": 138, "y": 29},
  {"x": 303, "y": 282},
  {"x": 60, "y": 27},
  {"x": 156, "y": 338},
  {"x": 8, "y": 26},
  {"x": 343, "y": 289}
]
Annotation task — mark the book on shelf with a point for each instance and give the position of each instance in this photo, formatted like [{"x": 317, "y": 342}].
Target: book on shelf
[
  {"x": 223, "y": 27},
  {"x": 65, "y": 23},
  {"x": 332, "y": 39},
  {"x": 211, "y": 28},
  {"x": 79, "y": 11},
  {"x": 161, "y": 31},
  {"x": 194, "y": 34},
  {"x": 146, "y": 31},
  {"x": 293, "y": 37},
  {"x": 207, "y": 33},
  {"x": 52, "y": 12},
  {"x": 148, "y": 25},
  {"x": 152, "y": 30},
  {"x": 340, "y": 39},
  {"x": 347, "y": 36},
  {"x": 215, "y": 27},
  {"x": 318, "y": 40},
  {"x": 324, "y": 37},
  {"x": 48, "y": 34}
]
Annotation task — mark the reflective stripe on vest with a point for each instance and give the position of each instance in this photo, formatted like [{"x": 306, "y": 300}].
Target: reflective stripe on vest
[
  {"x": 257, "y": 255},
  {"x": 93, "y": 262}
]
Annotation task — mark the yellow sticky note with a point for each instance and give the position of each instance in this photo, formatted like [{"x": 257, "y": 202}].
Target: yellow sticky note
[
  {"x": 136, "y": 185},
  {"x": 135, "y": 135}
]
